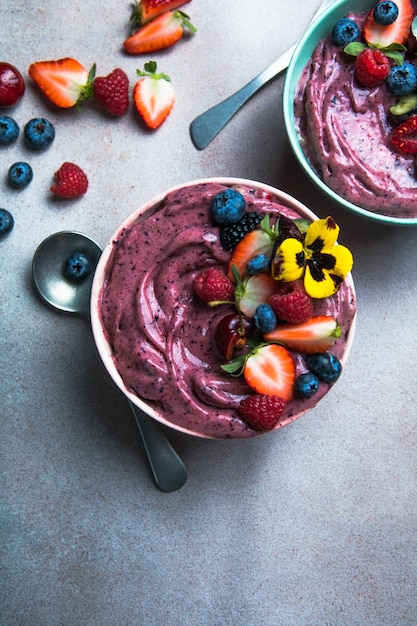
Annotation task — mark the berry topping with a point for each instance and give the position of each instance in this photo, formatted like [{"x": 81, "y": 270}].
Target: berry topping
[
  {"x": 6, "y": 222},
  {"x": 212, "y": 285},
  {"x": 318, "y": 334},
  {"x": 231, "y": 235},
  {"x": 9, "y": 130},
  {"x": 344, "y": 31},
  {"x": 306, "y": 385},
  {"x": 228, "y": 207},
  {"x": 385, "y": 12},
  {"x": 265, "y": 319},
  {"x": 231, "y": 334},
  {"x": 160, "y": 33},
  {"x": 258, "y": 264},
  {"x": 259, "y": 241},
  {"x": 325, "y": 366},
  {"x": 64, "y": 82},
  {"x": 77, "y": 266},
  {"x": 12, "y": 85},
  {"x": 402, "y": 79},
  {"x": 262, "y": 412},
  {"x": 112, "y": 92},
  {"x": 153, "y": 95},
  {"x": 292, "y": 304},
  {"x": 404, "y": 137},
  {"x": 253, "y": 291},
  {"x": 19, "y": 175},
  {"x": 39, "y": 133},
  {"x": 70, "y": 181},
  {"x": 146, "y": 10},
  {"x": 372, "y": 67},
  {"x": 270, "y": 370},
  {"x": 397, "y": 32}
]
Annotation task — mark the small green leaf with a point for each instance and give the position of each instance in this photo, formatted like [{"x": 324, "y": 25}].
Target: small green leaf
[
  {"x": 396, "y": 56},
  {"x": 354, "y": 48},
  {"x": 235, "y": 367}
]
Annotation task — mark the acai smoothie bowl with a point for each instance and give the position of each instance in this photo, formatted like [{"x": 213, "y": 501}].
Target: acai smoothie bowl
[
  {"x": 350, "y": 107},
  {"x": 224, "y": 308}
]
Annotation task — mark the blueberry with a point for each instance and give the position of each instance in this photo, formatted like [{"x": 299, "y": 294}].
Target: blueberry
[
  {"x": 306, "y": 385},
  {"x": 385, "y": 13},
  {"x": 325, "y": 366},
  {"x": 6, "y": 222},
  {"x": 39, "y": 133},
  {"x": 20, "y": 174},
  {"x": 9, "y": 130},
  {"x": 258, "y": 264},
  {"x": 77, "y": 266},
  {"x": 228, "y": 206},
  {"x": 344, "y": 31},
  {"x": 265, "y": 318},
  {"x": 402, "y": 79}
]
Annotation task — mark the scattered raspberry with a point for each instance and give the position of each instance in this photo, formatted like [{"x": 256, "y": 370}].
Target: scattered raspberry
[
  {"x": 262, "y": 412},
  {"x": 212, "y": 284},
  {"x": 404, "y": 137},
  {"x": 70, "y": 181},
  {"x": 112, "y": 92},
  {"x": 292, "y": 304},
  {"x": 372, "y": 67}
]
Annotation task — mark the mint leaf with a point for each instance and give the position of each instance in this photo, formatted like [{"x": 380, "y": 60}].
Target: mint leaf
[{"x": 354, "y": 48}]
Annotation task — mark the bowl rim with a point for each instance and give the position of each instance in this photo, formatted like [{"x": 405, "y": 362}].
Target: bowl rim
[
  {"x": 103, "y": 346},
  {"x": 316, "y": 31}
]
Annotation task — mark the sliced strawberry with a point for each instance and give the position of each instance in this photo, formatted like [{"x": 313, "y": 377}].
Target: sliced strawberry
[
  {"x": 153, "y": 95},
  {"x": 160, "y": 33},
  {"x": 318, "y": 334},
  {"x": 146, "y": 10},
  {"x": 253, "y": 291},
  {"x": 398, "y": 32},
  {"x": 64, "y": 82},
  {"x": 254, "y": 243},
  {"x": 270, "y": 370},
  {"x": 404, "y": 137}
]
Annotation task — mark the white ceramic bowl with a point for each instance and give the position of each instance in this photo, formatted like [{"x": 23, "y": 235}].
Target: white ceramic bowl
[
  {"x": 105, "y": 349},
  {"x": 319, "y": 29}
]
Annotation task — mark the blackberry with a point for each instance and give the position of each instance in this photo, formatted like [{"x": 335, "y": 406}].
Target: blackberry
[{"x": 231, "y": 235}]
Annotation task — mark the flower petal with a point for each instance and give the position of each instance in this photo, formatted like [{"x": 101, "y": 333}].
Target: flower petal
[
  {"x": 288, "y": 264},
  {"x": 344, "y": 260},
  {"x": 324, "y": 288},
  {"x": 321, "y": 234},
  {"x": 326, "y": 270}
]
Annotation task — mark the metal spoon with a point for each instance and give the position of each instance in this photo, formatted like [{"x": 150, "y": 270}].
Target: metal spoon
[{"x": 167, "y": 468}]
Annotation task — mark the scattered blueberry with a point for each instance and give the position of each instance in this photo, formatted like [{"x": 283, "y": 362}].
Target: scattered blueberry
[
  {"x": 228, "y": 206},
  {"x": 6, "y": 222},
  {"x": 402, "y": 79},
  {"x": 9, "y": 130},
  {"x": 265, "y": 318},
  {"x": 77, "y": 266},
  {"x": 258, "y": 264},
  {"x": 344, "y": 31},
  {"x": 306, "y": 385},
  {"x": 20, "y": 174},
  {"x": 385, "y": 13},
  {"x": 39, "y": 133},
  {"x": 325, "y": 366}
]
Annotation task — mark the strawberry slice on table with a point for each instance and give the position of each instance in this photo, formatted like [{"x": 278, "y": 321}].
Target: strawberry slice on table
[
  {"x": 146, "y": 10},
  {"x": 162, "y": 32},
  {"x": 270, "y": 370},
  {"x": 316, "y": 335},
  {"x": 153, "y": 95},
  {"x": 64, "y": 82},
  {"x": 383, "y": 36}
]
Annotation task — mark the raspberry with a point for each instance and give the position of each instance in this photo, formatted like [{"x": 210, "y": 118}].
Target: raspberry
[
  {"x": 231, "y": 235},
  {"x": 404, "y": 137},
  {"x": 213, "y": 285},
  {"x": 262, "y": 412},
  {"x": 71, "y": 181},
  {"x": 112, "y": 92},
  {"x": 372, "y": 67},
  {"x": 292, "y": 304}
]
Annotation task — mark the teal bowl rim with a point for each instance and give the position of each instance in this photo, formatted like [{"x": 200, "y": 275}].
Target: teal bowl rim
[{"x": 319, "y": 29}]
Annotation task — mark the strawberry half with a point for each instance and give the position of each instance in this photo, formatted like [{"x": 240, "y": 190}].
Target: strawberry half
[
  {"x": 153, "y": 95},
  {"x": 270, "y": 370},
  {"x": 383, "y": 36},
  {"x": 64, "y": 82},
  {"x": 146, "y": 10},
  {"x": 254, "y": 243},
  {"x": 162, "y": 32},
  {"x": 316, "y": 335},
  {"x": 253, "y": 291}
]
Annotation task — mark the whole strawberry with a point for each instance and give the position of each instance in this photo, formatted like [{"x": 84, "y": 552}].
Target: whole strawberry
[
  {"x": 112, "y": 92},
  {"x": 292, "y": 304},
  {"x": 70, "y": 181},
  {"x": 262, "y": 412},
  {"x": 372, "y": 67},
  {"x": 212, "y": 285}
]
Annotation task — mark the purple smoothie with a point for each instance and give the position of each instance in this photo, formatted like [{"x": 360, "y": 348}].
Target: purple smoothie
[
  {"x": 162, "y": 336},
  {"x": 345, "y": 130}
]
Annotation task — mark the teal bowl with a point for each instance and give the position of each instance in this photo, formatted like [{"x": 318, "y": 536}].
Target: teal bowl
[{"x": 319, "y": 29}]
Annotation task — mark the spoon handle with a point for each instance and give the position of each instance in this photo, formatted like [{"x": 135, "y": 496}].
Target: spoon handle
[{"x": 167, "y": 468}]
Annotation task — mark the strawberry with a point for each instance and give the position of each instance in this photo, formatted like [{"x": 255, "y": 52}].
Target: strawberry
[
  {"x": 70, "y": 181},
  {"x": 270, "y": 370},
  {"x": 65, "y": 82},
  {"x": 254, "y": 243},
  {"x": 146, "y": 10},
  {"x": 404, "y": 137},
  {"x": 261, "y": 411},
  {"x": 162, "y": 32},
  {"x": 383, "y": 36},
  {"x": 253, "y": 291},
  {"x": 112, "y": 92},
  {"x": 153, "y": 95},
  {"x": 372, "y": 67},
  {"x": 316, "y": 335},
  {"x": 291, "y": 303},
  {"x": 212, "y": 285}
]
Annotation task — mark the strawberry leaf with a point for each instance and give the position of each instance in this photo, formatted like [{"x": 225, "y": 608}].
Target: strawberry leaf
[
  {"x": 354, "y": 48},
  {"x": 235, "y": 367}
]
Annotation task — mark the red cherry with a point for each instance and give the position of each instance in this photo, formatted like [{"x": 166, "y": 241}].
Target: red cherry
[
  {"x": 12, "y": 85},
  {"x": 231, "y": 333}
]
